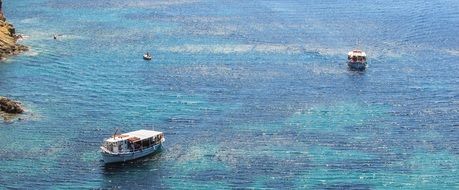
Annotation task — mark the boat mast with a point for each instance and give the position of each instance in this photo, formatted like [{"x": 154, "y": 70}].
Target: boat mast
[{"x": 115, "y": 133}]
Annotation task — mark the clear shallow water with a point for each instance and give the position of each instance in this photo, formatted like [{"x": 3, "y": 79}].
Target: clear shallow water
[{"x": 249, "y": 94}]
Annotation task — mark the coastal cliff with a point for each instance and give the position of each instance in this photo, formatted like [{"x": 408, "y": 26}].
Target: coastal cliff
[
  {"x": 8, "y": 46},
  {"x": 8, "y": 38}
]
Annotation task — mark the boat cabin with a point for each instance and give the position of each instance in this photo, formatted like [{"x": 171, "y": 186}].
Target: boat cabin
[
  {"x": 133, "y": 141},
  {"x": 357, "y": 56}
]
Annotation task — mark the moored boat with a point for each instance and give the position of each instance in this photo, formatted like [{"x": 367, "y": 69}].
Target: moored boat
[
  {"x": 147, "y": 56},
  {"x": 132, "y": 145},
  {"x": 357, "y": 59}
]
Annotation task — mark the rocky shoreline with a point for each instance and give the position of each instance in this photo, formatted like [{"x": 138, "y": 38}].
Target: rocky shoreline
[
  {"x": 8, "y": 47},
  {"x": 8, "y": 38}
]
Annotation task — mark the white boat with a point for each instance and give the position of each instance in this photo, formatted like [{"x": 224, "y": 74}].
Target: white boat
[
  {"x": 132, "y": 145},
  {"x": 147, "y": 56},
  {"x": 357, "y": 59}
]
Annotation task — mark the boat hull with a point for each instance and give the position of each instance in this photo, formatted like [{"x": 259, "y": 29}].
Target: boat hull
[
  {"x": 357, "y": 65},
  {"x": 123, "y": 157},
  {"x": 146, "y": 58}
]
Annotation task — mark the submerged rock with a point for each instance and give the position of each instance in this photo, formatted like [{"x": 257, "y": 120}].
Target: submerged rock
[{"x": 10, "y": 106}]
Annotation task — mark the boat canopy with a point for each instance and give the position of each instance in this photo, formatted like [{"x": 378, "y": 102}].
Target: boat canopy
[
  {"x": 357, "y": 53},
  {"x": 134, "y": 136}
]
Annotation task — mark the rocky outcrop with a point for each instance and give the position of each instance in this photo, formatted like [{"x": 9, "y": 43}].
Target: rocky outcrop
[
  {"x": 8, "y": 38},
  {"x": 10, "y": 106},
  {"x": 8, "y": 46}
]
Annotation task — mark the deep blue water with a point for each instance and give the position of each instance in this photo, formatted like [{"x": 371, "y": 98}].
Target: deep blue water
[{"x": 249, "y": 94}]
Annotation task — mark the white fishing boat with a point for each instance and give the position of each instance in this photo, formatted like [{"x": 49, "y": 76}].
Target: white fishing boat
[
  {"x": 357, "y": 59},
  {"x": 147, "y": 56},
  {"x": 132, "y": 145}
]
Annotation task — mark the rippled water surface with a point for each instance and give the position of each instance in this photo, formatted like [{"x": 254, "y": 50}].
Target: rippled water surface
[{"x": 250, "y": 94}]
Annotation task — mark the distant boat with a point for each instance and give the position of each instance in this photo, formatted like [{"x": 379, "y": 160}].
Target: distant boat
[
  {"x": 357, "y": 59},
  {"x": 147, "y": 56},
  {"x": 132, "y": 145}
]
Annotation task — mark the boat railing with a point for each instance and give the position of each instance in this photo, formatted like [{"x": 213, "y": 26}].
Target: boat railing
[{"x": 133, "y": 148}]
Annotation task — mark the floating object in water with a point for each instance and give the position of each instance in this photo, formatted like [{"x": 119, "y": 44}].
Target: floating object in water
[
  {"x": 147, "y": 56},
  {"x": 132, "y": 145},
  {"x": 357, "y": 59}
]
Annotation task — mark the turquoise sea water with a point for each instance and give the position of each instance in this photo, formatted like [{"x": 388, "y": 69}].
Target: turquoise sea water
[{"x": 249, "y": 94}]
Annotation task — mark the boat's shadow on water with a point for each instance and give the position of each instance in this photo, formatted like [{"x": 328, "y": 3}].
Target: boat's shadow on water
[
  {"x": 353, "y": 71},
  {"x": 141, "y": 173},
  {"x": 357, "y": 79}
]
